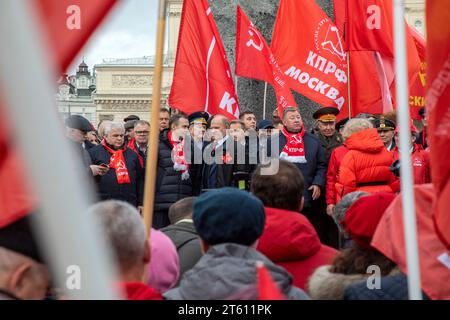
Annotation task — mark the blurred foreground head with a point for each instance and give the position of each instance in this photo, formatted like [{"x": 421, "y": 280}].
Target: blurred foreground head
[
  {"x": 125, "y": 232},
  {"x": 22, "y": 272}
]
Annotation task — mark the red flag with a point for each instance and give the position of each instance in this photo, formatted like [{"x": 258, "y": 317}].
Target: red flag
[
  {"x": 202, "y": 77},
  {"x": 417, "y": 88},
  {"x": 438, "y": 108},
  {"x": 267, "y": 288},
  {"x": 254, "y": 59},
  {"x": 310, "y": 51},
  {"x": 389, "y": 239},
  {"x": 370, "y": 26},
  {"x": 69, "y": 24},
  {"x": 60, "y": 19}
]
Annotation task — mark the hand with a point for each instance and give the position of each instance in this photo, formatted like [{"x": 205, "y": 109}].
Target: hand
[
  {"x": 330, "y": 209},
  {"x": 316, "y": 192},
  {"x": 98, "y": 170}
]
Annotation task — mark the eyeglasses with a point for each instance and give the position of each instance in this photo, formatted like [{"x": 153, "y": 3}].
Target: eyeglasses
[{"x": 142, "y": 132}]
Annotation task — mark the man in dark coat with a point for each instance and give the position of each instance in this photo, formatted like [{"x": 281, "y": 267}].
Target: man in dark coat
[
  {"x": 174, "y": 180},
  {"x": 124, "y": 179},
  {"x": 76, "y": 129},
  {"x": 330, "y": 139},
  {"x": 183, "y": 234},
  {"x": 230, "y": 163},
  {"x": 304, "y": 150}
]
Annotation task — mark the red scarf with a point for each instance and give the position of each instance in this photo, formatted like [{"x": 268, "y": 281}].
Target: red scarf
[
  {"x": 133, "y": 146},
  {"x": 294, "y": 150},
  {"x": 117, "y": 162},
  {"x": 179, "y": 161}
]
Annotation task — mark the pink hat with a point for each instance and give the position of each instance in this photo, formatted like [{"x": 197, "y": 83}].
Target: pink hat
[{"x": 164, "y": 266}]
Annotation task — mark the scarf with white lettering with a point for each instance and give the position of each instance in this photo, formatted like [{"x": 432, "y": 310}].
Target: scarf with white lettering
[
  {"x": 117, "y": 162},
  {"x": 179, "y": 161},
  {"x": 294, "y": 150}
]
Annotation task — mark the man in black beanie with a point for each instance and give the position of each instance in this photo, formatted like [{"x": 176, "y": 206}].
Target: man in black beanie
[
  {"x": 22, "y": 272},
  {"x": 229, "y": 222}
]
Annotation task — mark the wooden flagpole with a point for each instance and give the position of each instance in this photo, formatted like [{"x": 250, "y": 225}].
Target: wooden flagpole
[{"x": 152, "y": 159}]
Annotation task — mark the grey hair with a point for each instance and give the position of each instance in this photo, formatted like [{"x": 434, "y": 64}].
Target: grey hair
[
  {"x": 124, "y": 230},
  {"x": 355, "y": 125},
  {"x": 113, "y": 125},
  {"x": 341, "y": 208},
  {"x": 141, "y": 123}
]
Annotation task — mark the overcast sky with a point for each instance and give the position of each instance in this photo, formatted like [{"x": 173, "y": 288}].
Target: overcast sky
[{"x": 129, "y": 31}]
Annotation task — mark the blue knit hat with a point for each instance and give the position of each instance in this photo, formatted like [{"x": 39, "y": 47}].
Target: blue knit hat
[{"x": 229, "y": 215}]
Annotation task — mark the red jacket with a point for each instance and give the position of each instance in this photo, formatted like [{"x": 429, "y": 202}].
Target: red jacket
[
  {"x": 366, "y": 166},
  {"x": 139, "y": 291},
  {"x": 290, "y": 241},
  {"x": 333, "y": 171},
  {"x": 420, "y": 162}
]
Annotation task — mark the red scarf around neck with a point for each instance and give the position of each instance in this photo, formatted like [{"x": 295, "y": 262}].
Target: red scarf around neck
[
  {"x": 117, "y": 162},
  {"x": 179, "y": 161},
  {"x": 294, "y": 150}
]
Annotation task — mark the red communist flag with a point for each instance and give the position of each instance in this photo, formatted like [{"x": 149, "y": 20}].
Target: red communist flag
[
  {"x": 438, "y": 108},
  {"x": 60, "y": 20},
  {"x": 254, "y": 59},
  {"x": 69, "y": 24},
  {"x": 310, "y": 51},
  {"x": 417, "y": 89},
  {"x": 202, "y": 78}
]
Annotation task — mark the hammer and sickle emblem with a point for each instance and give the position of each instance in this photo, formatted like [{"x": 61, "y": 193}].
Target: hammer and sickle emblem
[{"x": 250, "y": 42}]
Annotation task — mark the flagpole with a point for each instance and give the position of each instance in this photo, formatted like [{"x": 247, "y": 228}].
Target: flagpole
[
  {"x": 152, "y": 159},
  {"x": 71, "y": 238},
  {"x": 403, "y": 121},
  {"x": 348, "y": 87},
  {"x": 265, "y": 99}
]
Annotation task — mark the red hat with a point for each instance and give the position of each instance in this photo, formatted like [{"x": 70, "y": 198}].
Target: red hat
[{"x": 361, "y": 219}]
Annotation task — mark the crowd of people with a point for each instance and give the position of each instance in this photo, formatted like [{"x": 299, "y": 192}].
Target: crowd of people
[{"x": 217, "y": 212}]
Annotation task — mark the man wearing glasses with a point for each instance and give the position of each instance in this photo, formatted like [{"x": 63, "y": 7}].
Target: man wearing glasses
[{"x": 139, "y": 144}]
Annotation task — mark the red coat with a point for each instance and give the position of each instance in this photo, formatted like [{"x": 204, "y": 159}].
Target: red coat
[
  {"x": 290, "y": 241},
  {"x": 333, "y": 171},
  {"x": 139, "y": 291},
  {"x": 366, "y": 166},
  {"x": 420, "y": 162}
]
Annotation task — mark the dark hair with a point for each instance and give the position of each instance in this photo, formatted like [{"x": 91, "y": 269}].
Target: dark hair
[
  {"x": 175, "y": 119},
  {"x": 355, "y": 260},
  {"x": 283, "y": 190},
  {"x": 164, "y": 110},
  {"x": 181, "y": 209},
  {"x": 243, "y": 114},
  {"x": 277, "y": 122}
]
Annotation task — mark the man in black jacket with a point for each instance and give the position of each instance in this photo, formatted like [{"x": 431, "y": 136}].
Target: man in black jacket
[
  {"x": 124, "y": 178},
  {"x": 304, "y": 150},
  {"x": 183, "y": 234},
  {"x": 228, "y": 163},
  {"x": 174, "y": 179}
]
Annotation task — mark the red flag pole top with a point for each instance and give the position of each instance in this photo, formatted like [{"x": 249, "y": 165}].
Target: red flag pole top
[{"x": 202, "y": 79}]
